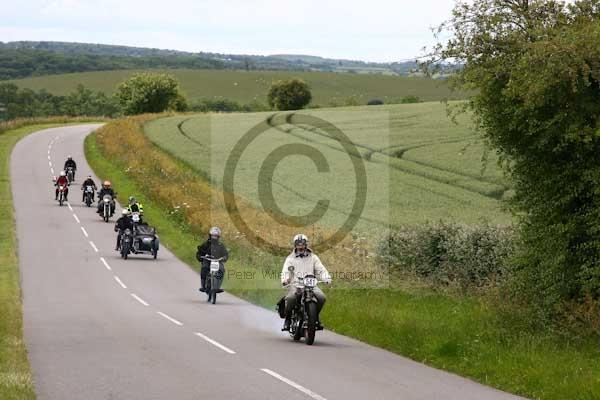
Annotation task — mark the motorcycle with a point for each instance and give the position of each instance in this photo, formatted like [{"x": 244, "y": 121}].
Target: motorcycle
[
  {"x": 89, "y": 195},
  {"x": 126, "y": 243},
  {"x": 213, "y": 281},
  {"x": 304, "y": 319},
  {"x": 62, "y": 190},
  {"x": 70, "y": 174},
  {"x": 108, "y": 206},
  {"x": 141, "y": 240}
]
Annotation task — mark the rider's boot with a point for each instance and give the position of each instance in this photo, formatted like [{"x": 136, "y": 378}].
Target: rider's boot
[{"x": 286, "y": 324}]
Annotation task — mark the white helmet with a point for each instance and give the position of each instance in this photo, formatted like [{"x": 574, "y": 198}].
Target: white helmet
[
  {"x": 125, "y": 211},
  {"x": 300, "y": 239},
  {"x": 214, "y": 231},
  {"x": 63, "y": 173}
]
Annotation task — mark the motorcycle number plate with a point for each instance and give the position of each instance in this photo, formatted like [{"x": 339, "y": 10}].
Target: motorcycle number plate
[
  {"x": 310, "y": 282},
  {"x": 214, "y": 266}
]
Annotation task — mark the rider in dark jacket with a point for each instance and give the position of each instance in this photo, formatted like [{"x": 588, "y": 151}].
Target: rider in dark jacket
[
  {"x": 121, "y": 224},
  {"x": 71, "y": 163},
  {"x": 106, "y": 189},
  {"x": 88, "y": 182},
  {"x": 212, "y": 248}
]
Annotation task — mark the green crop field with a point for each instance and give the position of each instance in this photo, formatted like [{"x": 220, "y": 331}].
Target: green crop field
[
  {"x": 245, "y": 87},
  {"x": 419, "y": 165}
]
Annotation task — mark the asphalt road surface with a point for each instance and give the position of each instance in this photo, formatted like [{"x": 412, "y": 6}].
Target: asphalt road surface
[{"x": 98, "y": 327}]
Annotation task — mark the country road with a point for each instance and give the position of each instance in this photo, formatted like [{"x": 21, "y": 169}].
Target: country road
[{"x": 98, "y": 327}]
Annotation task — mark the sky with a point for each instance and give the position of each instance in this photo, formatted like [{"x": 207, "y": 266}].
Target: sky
[{"x": 380, "y": 30}]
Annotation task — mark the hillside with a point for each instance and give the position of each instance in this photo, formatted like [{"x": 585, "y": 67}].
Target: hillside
[
  {"x": 81, "y": 57},
  {"x": 248, "y": 86}
]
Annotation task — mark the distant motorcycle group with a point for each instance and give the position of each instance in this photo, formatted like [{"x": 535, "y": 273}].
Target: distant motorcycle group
[
  {"x": 301, "y": 273},
  {"x": 134, "y": 235}
]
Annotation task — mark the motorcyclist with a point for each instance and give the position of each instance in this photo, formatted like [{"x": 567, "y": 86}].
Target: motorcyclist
[
  {"x": 121, "y": 224},
  {"x": 62, "y": 181},
  {"x": 213, "y": 248},
  {"x": 305, "y": 262},
  {"x": 71, "y": 163},
  {"x": 88, "y": 182},
  {"x": 106, "y": 189},
  {"x": 135, "y": 207}
]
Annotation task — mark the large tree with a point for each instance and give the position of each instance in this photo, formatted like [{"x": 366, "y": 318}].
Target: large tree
[
  {"x": 292, "y": 94},
  {"x": 150, "y": 93},
  {"x": 534, "y": 67}
]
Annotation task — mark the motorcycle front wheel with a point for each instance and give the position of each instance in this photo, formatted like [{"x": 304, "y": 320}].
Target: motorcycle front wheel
[{"x": 309, "y": 334}]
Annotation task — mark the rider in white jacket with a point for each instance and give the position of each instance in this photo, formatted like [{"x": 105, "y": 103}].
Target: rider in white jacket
[{"x": 304, "y": 262}]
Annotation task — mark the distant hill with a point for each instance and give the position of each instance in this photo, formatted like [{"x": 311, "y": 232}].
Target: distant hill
[{"x": 34, "y": 58}]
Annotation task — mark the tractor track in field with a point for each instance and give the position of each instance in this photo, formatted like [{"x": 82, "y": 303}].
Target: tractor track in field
[
  {"x": 287, "y": 188},
  {"x": 495, "y": 194}
]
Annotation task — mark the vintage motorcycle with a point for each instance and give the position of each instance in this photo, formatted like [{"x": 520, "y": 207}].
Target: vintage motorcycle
[
  {"x": 88, "y": 195},
  {"x": 62, "y": 191},
  {"x": 108, "y": 206},
  {"x": 214, "y": 279},
  {"x": 304, "y": 319},
  {"x": 142, "y": 239},
  {"x": 70, "y": 174}
]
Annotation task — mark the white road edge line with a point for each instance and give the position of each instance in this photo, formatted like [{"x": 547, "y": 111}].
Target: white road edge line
[
  {"x": 84, "y": 231},
  {"x": 93, "y": 246},
  {"x": 120, "y": 282},
  {"x": 293, "y": 384},
  {"x": 214, "y": 343},
  {"x": 139, "y": 299},
  {"x": 173, "y": 320},
  {"x": 76, "y": 219},
  {"x": 105, "y": 263}
]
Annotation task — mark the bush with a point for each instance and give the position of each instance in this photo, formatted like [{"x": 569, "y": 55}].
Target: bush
[
  {"x": 410, "y": 100},
  {"x": 375, "y": 102},
  {"x": 451, "y": 254},
  {"x": 150, "y": 93},
  {"x": 225, "y": 105},
  {"x": 293, "y": 94}
]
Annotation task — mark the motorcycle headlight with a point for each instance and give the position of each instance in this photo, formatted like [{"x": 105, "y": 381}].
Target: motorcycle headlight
[
  {"x": 147, "y": 240},
  {"x": 128, "y": 231}
]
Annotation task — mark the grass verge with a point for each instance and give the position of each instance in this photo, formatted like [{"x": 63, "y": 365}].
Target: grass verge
[{"x": 468, "y": 336}]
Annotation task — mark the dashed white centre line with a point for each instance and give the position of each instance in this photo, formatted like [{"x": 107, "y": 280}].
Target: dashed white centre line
[
  {"x": 293, "y": 384},
  {"x": 105, "y": 263},
  {"x": 139, "y": 299},
  {"x": 49, "y": 158},
  {"x": 93, "y": 246},
  {"x": 76, "y": 219},
  {"x": 120, "y": 282},
  {"x": 50, "y": 164},
  {"x": 52, "y": 170},
  {"x": 84, "y": 232},
  {"x": 71, "y": 208},
  {"x": 173, "y": 320},
  {"x": 214, "y": 343}
]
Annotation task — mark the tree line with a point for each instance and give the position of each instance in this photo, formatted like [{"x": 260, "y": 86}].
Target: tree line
[
  {"x": 141, "y": 93},
  {"x": 15, "y": 64}
]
